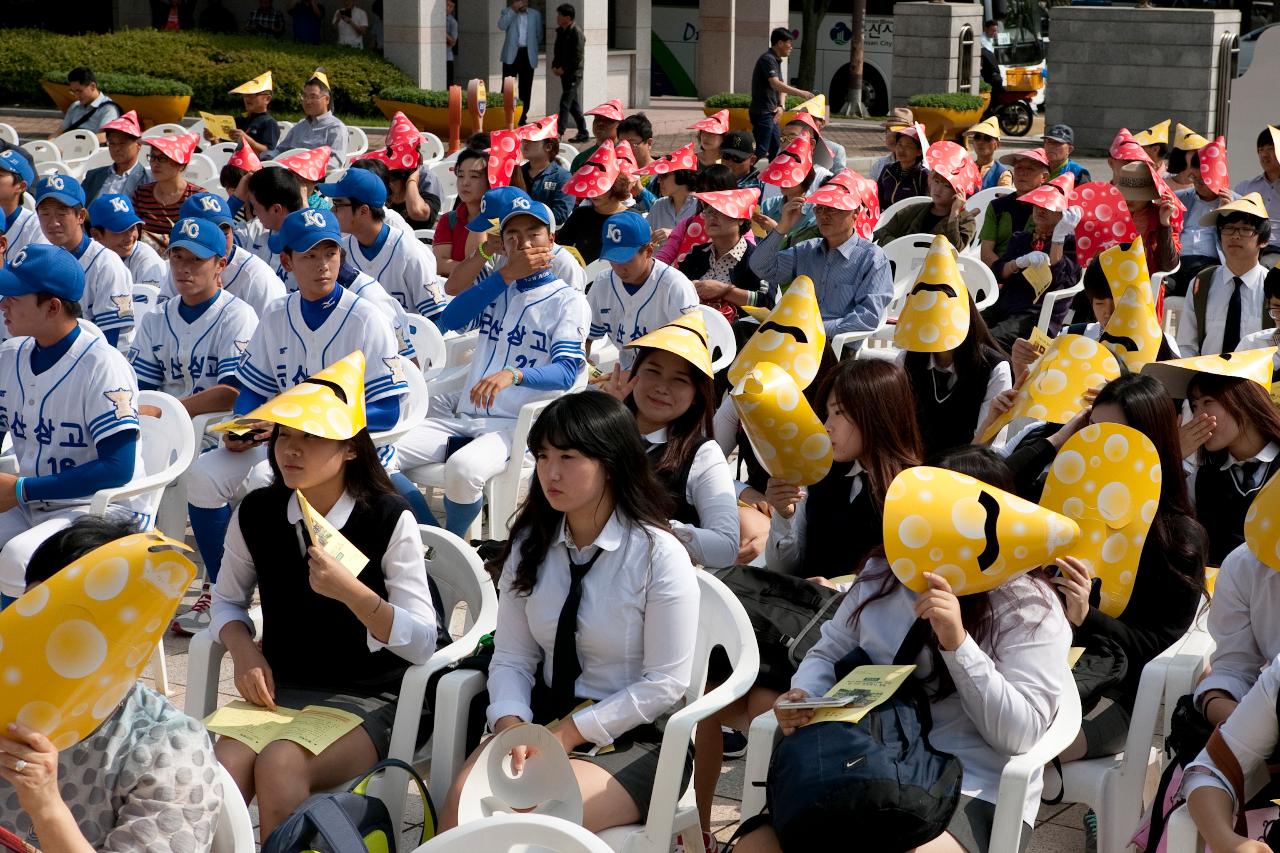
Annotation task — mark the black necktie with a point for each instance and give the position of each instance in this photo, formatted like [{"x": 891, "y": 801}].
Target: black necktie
[
  {"x": 565, "y": 664},
  {"x": 1245, "y": 472},
  {"x": 1231, "y": 332}
]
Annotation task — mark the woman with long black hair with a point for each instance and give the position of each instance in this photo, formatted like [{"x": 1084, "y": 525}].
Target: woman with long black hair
[{"x": 597, "y": 601}]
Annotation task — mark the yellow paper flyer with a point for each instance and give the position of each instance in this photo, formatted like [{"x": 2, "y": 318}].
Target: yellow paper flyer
[
  {"x": 218, "y": 125},
  {"x": 1039, "y": 276},
  {"x": 314, "y": 727},
  {"x": 1040, "y": 340},
  {"x": 328, "y": 538},
  {"x": 865, "y": 687}
]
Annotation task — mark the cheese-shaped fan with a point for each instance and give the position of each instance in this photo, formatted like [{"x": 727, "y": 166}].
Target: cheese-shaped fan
[
  {"x": 1106, "y": 478},
  {"x": 791, "y": 336},
  {"x": 72, "y": 647},
  {"x": 789, "y": 440},
  {"x": 1133, "y": 333},
  {"x": 974, "y": 535},
  {"x": 1262, "y": 525}
]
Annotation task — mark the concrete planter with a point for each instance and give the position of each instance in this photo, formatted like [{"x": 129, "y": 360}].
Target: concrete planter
[
  {"x": 151, "y": 109},
  {"x": 940, "y": 124},
  {"x": 740, "y": 117},
  {"x": 436, "y": 119}
]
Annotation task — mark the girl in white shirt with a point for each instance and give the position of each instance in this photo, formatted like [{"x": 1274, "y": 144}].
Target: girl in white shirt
[
  {"x": 995, "y": 668},
  {"x": 594, "y": 511},
  {"x": 671, "y": 398}
]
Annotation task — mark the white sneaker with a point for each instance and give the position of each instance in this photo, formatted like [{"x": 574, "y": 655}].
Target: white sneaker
[{"x": 197, "y": 618}]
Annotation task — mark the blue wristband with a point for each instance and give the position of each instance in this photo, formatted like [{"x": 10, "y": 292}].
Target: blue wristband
[{"x": 17, "y": 490}]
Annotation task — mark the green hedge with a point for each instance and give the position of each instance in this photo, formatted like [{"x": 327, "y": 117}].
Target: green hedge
[
  {"x": 957, "y": 101},
  {"x": 737, "y": 100},
  {"x": 210, "y": 64},
  {"x": 128, "y": 84},
  {"x": 432, "y": 97}
]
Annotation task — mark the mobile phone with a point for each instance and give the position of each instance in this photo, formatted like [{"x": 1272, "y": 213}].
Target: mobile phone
[{"x": 816, "y": 702}]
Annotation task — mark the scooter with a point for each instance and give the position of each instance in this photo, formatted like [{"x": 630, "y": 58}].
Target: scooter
[{"x": 1012, "y": 108}]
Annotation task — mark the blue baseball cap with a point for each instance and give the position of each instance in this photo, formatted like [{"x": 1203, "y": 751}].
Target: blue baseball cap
[
  {"x": 206, "y": 206},
  {"x": 203, "y": 238},
  {"x": 63, "y": 188},
  {"x": 494, "y": 207},
  {"x": 622, "y": 235},
  {"x": 536, "y": 209},
  {"x": 360, "y": 185},
  {"x": 12, "y": 161},
  {"x": 113, "y": 212},
  {"x": 42, "y": 268},
  {"x": 302, "y": 229}
]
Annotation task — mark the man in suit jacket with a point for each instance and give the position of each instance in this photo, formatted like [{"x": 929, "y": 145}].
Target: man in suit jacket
[
  {"x": 126, "y": 170},
  {"x": 523, "y": 27}
]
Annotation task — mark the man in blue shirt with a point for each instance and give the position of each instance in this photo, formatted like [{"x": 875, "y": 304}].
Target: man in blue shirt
[{"x": 851, "y": 275}]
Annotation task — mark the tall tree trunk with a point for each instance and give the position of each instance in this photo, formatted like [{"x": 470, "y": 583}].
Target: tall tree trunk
[
  {"x": 857, "y": 50},
  {"x": 811, "y": 17}
]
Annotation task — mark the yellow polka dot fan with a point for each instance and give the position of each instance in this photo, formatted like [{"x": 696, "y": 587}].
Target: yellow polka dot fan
[
  {"x": 329, "y": 404},
  {"x": 1262, "y": 525},
  {"x": 1133, "y": 333},
  {"x": 936, "y": 316},
  {"x": 72, "y": 647}
]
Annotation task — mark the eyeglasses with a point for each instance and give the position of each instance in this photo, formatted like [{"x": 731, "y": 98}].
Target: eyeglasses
[
  {"x": 732, "y": 158},
  {"x": 1273, "y": 313},
  {"x": 1239, "y": 231},
  {"x": 314, "y": 97},
  {"x": 340, "y": 204},
  {"x": 157, "y": 157}
]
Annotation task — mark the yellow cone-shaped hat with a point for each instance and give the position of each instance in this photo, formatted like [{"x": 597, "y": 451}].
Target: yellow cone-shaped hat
[
  {"x": 1057, "y": 381},
  {"x": 1133, "y": 333},
  {"x": 315, "y": 405},
  {"x": 1106, "y": 479},
  {"x": 259, "y": 84},
  {"x": 1187, "y": 139},
  {"x": 974, "y": 535},
  {"x": 1176, "y": 374},
  {"x": 792, "y": 336},
  {"x": 789, "y": 440},
  {"x": 322, "y": 76},
  {"x": 1156, "y": 134},
  {"x": 686, "y": 336},
  {"x": 72, "y": 647},
  {"x": 936, "y": 316},
  {"x": 815, "y": 106}
]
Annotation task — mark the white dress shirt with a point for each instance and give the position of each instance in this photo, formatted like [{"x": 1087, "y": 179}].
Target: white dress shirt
[
  {"x": 1244, "y": 621},
  {"x": 637, "y": 625},
  {"x": 1215, "y": 312},
  {"x": 710, "y": 490},
  {"x": 1266, "y": 456},
  {"x": 784, "y": 551},
  {"x": 999, "y": 380},
  {"x": 1270, "y": 192},
  {"x": 1005, "y": 700},
  {"x": 413, "y": 616}
]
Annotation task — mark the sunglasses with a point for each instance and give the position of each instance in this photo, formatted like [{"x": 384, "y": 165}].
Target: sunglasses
[{"x": 732, "y": 158}]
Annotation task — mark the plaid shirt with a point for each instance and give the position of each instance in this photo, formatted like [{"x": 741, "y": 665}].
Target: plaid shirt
[{"x": 266, "y": 23}]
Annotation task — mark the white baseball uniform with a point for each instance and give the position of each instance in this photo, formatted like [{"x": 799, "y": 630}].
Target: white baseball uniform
[
  {"x": 404, "y": 267},
  {"x": 395, "y": 220},
  {"x": 23, "y": 230},
  {"x": 246, "y": 277},
  {"x": 108, "y": 292},
  {"x": 55, "y": 419},
  {"x": 145, "y": 265},
  {"x": 622, "y": 316},
  {"x": 520, "y": 329},
  {"x": 563, "y": 264},
  {"x": 181, "y": 358},
  {"x": 282, "y": 353},
  {"x": 370, "y": 288}
]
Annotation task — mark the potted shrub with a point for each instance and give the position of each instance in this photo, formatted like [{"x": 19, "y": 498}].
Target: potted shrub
[
  {"x": 946, "y": 115},
  {"x": 157, "y": 100},
  {"x": 739, "y": 108},
  {"x": 428, "y": 109}
]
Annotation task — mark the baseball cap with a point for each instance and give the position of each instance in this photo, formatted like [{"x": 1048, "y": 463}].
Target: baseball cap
[
  {"x": 302, "y": 229},
  {"x": 63, "y": 188},
  {"x": 494, "y": 207},
  {"x": 738, "y": 142},
  {"x": 12, "y": 161},
  {"x": 113, "y": 212},
  {"x": 360, "y": 185},
  {"x": 42, "y": 268},
  {"x": 536, "y": 209},
  {"x": 1061, "y": 133},
  {"x": 622, "y": 235},
  {"x": 202, "y": 237},
  {"x": 206, "y": 206}
]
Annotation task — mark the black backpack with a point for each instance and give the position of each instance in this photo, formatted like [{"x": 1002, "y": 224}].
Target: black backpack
[{"x": 880, "y": 777}]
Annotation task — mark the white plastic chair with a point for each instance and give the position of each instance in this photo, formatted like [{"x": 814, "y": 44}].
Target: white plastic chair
[
  {"x": 425, "y": 235},
  {"x": 889, "y": 212},
  {"x": 413, "y": 409},
  {"x": 980, "y": 280},
  {"x": 721, "y": 622},
  {"x": 429, "y": 344},
  {"x": 431, "y": 148},
  {"x": 146, "y": 298},
  {"x": 220, "y": 153},
  {"x": 234, "y": 831},
  {"x": 570, "y": 151},
  {"x": 202, "y": 170},
  {"x": 8, "y": 134},
  {"x": 1158, "y": 280},
  {"x": 285, "y": 127},
  {"x": 54, "y": 167},
  {"x": 980, "y": 203},
  {"x": 167, "y": 129},
  {"x": 42, "y": 151},
  {"x": 357, "y": 141},
  {"x": 907, "y": 254},
  {"x": 596, "y": 267},
  {"x": 76, "y": 145},
  {"x": 171, "y": 517},
  {"x": 288, "y": 152},
  {"x": 459, "y": 351},
  {"x": 516, "y": 832},
  {"x": 1173, "y": 308},
  {"x": 445, "y": 175},
  {"x": 720, "y": 338},
  {"x": 1050, "y": 300},
  {"x": 98, "y": 159}
]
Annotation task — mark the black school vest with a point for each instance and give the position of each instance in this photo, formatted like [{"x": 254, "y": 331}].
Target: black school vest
[
  {"x": 1221, "y": 506},
  {"x": 838, "y": 533},
  {"x": 951, "y": 421},
  {"x": 676, "y": 483},
  {"x": 310, "y": 640}
]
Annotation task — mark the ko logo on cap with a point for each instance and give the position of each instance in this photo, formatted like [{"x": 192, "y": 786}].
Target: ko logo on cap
[
  {"x": 56, "y": 182},
  {"x": 211, "y": 204},
  {"x": 520, "y": 203},
  {"x": 613, "y": 233},
  {"x": 313, "y": 219},
  {"x": 190, "y": 229},
  {"x": 18, "y": 259},
  {"x": 120, "y": 205}
]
